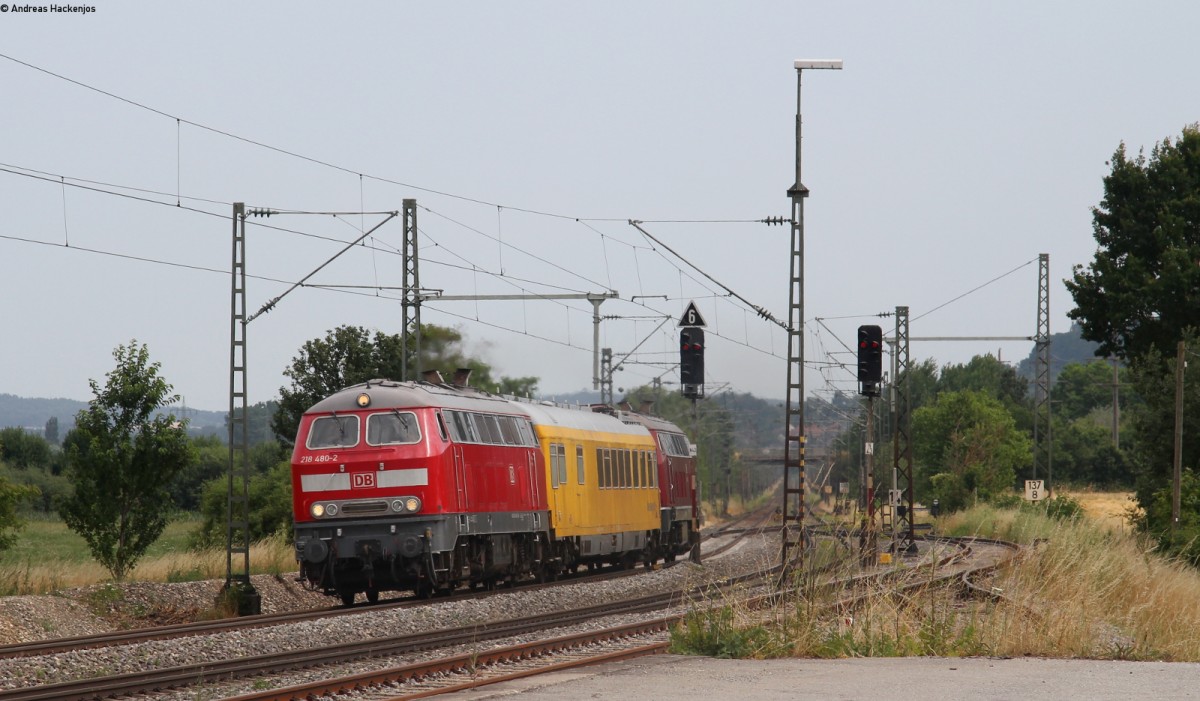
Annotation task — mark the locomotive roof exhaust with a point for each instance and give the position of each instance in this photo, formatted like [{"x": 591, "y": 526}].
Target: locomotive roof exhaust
[
  {"x": 433, "y": 376},
  {"x": 646, "y": 407},
  {"x": 462, "y": 377}
]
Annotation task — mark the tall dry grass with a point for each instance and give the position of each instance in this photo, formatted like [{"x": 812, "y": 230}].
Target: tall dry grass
[
  {"x": 273, "y": 555},
  {"x": 1093, "y": 591},
  {"x": 1077, "y": 589}
]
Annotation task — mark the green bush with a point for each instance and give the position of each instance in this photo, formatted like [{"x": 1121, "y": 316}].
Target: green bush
[
  {"x": 270, "y": 496},
  {"x": 1007, "y": 501},
  {"x": 1063, "y": 508},
  {"x": 713, "y": 633}
]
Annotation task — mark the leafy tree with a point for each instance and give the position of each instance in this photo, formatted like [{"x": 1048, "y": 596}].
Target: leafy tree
[
  {"x": 46, "y": 489},
  {"x": 347, "y": 355},
  {"x": 122, "y": 459},
  {"x": 11, "y": 496},
  {"x": 270, "y": 497},
  {"x": 51, "y": 432},
  {"x": 985, "y": 373},
  {"x": 1155, "y": 519},
  {"x": 1141, "y": 295},
  {"x": 967, "y": 447},
  {"x": 258, "y": 422},
  {"x": 923, "y": 387},
  {"x": 352, "y": 354},
  {"x": 1142, "y": 289},
  {"x": 23, "y": 450},
  {"x": 1152, "y": 420},
  {"x": 1084, "y": 454},
  {"x": 1082, "y": 388},
  {"x": 210, "y": 459}
]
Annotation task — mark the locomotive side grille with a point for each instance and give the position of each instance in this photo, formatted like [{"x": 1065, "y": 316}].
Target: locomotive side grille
[{"x": 364, "y": 507}]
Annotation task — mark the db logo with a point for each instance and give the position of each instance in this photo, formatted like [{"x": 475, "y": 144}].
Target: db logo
[{"x": 362, "y": 480}]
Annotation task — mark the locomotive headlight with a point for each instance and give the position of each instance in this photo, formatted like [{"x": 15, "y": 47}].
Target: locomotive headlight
[
  {"x": 331, "y": 509},
  {"x": 318, "y": 510},
  {"x": 406, "y": 505}
]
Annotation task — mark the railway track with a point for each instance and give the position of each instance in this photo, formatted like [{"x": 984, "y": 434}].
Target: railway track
[
  {"x": 260, "y": 665},
  {"x": 180, "y": 630},
  {"x": 169, "y": 632},
  {"x": 257, "y": 665},
  {"x": 462, "y": 672}
]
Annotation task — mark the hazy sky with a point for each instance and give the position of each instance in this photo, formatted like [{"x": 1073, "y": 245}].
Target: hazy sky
[{"x": 961, "y": 140}]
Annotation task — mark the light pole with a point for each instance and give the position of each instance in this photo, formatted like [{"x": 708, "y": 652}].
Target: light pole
[{"x": 793, "y": 450}]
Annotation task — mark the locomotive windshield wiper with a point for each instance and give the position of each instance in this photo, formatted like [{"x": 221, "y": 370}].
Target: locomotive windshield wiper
[
  {"x": 405, "y": 424},
  {"x": 341, "y": 429}
]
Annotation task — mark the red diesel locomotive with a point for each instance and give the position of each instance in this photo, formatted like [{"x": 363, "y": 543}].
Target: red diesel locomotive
[
  {"x": 426, "y": 486},
  {"x": 679, "y": 498}
]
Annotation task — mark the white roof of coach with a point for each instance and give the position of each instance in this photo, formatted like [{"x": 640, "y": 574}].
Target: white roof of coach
[{"x": 583, "y": 419}]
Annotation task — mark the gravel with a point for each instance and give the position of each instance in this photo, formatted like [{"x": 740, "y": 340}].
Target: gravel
[{"x": 105, "y": 607}]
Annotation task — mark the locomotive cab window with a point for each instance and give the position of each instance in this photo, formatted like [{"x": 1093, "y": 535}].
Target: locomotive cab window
[
  {"x": 675, "y": 445},
  {"x": 489, "y": 429},
  {"x": 392, "y": 428},
  {"x": 333, "y": 432},
  {"x": 509, "y": 430}
]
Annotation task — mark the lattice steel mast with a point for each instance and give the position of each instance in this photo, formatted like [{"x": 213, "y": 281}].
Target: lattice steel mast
[
  {"x": 904, "y": 539},
  {"x": 237, "y": 526},
  {"x": 1041, "y": 389},
  {"x": 794, "y": 437},
  {"x": 411, "y": 298}
]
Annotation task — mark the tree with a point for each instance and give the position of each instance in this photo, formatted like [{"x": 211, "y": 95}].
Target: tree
[
  {"x": 1152, "y": 423},
  {"x": 922, "y": 380},
  {"x": 1082, "y": 388},
  {"x": 10, "y": 496},
  {"x": 270, "y": 497},
  {"x": 352, "y": 354},
  {"x": 1156, "y": 520},
  {"x": 985, "y": 373},
  {"x": 51, "y": 433},
  {"x": 1142, "y": 289},
  {"x": 23, "y": 450},
  {"x": 210, "y": 460},
  {"x": 1140, "y": 296},
  {"x": 122, "y": 459},
  {"x": 967, "y": 447},
  {"x": 1084, "y": 455},
  {"x": 258, "y": 423}
]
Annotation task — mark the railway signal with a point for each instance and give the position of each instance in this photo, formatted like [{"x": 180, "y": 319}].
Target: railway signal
[
  {"x": 870, "y": 359},
  {"x": 691, "y": 362}
]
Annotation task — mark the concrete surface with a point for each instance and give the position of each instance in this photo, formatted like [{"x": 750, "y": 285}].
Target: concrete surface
[{"x": 669, "y": 677}]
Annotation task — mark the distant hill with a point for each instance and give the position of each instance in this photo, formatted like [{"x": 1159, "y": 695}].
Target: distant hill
[
  {"x": 32, "y": 413},
  {"x": 583, "y": 397},
  {"x": 1065, "y": 348}
]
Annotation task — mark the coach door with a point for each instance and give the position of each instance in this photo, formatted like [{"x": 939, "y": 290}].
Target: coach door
[
  {"x": 531, "y": 469},
  {"x": 460, "y": 478}
]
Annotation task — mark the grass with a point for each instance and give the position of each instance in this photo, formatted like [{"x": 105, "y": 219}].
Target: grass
[
  {"x": 48, "y": 557},
  {"x": 1082, "y": 588}
]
